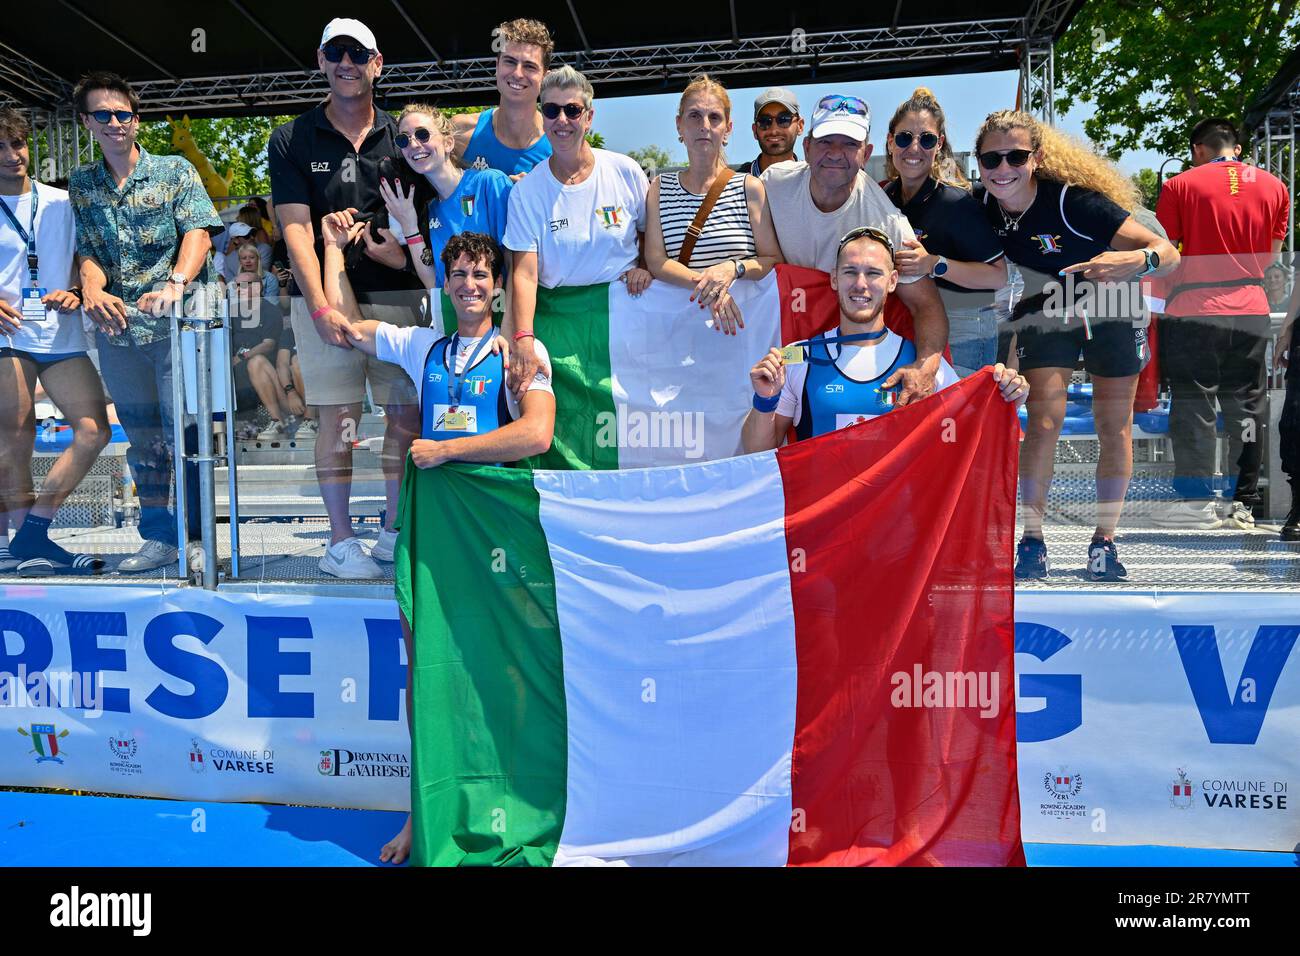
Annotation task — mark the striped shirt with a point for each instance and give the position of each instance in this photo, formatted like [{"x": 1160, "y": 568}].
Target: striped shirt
[{"x": 727, "y": 233}]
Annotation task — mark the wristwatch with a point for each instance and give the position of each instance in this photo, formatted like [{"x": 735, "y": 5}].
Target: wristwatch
[
  {"x": 178, "y": 278},
  {"x": 1153, "y": 261},
  {"x": 940, "y": 267},
  {"x": 740, "y": 268}
]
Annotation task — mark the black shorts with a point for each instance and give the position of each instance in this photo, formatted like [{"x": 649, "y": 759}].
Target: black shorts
[
  {"x": 245, "y": 395},
  {"x": 1115, "y": 350},
  {"x": 43, "y": 360}
]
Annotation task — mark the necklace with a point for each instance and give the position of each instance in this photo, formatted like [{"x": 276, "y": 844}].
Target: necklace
[{"x": 1010, "y": 224}]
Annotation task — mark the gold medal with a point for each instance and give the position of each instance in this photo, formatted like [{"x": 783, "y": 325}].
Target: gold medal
[
  {"x": 456, "y": 421},
  {"x": 792, "y": 355}
]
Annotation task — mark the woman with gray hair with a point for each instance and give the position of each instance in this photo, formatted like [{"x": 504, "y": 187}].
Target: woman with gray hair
[{"x": 576, "y": 219}]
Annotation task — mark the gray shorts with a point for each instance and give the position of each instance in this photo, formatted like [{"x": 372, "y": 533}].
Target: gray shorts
[{"x": 337, "y": 376}]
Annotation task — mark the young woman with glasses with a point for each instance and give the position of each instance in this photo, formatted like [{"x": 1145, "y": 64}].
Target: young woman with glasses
[
  {"x": 1062, "y": 214},
  {"x": 736, "y": 240},
  {"x": 954, "y": 243}
]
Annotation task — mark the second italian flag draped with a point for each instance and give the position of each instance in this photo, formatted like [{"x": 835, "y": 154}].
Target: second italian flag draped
[{"x": 800, "y": 657}]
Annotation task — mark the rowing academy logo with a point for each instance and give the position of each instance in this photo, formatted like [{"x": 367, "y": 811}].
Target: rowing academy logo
[
  {"x": 45, "y": 742},
  {"x": 123, "y": 747},
  {"x": 609, "y": 216},
  {"x": 1063, "y": 784},
  {"x": 1180, "y": 791},
  {"x": 1048, "y": 243}
]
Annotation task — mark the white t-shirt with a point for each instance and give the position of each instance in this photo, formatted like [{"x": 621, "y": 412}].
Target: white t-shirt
[
  {"x": 810, "y": 237},
  {"x": 408, "y": 346},
  {"x": 582, "y": 234},
  {"x": 56, "y": 244},
  {"x": 862, "y": 363}
]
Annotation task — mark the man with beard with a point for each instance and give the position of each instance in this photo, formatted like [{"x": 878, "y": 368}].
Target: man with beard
[{"x": 777, "y": 126}]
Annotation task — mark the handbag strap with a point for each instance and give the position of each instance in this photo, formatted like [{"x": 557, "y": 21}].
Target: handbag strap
[{"x": 696, "y": 228}]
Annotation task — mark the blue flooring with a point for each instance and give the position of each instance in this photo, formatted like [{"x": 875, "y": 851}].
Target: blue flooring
[{"x": 41, "y": 829}]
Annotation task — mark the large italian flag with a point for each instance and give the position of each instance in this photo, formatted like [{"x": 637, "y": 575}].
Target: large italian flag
[
  {"x": 800, "y": 657},
  {"x": 646, "y": 381}
]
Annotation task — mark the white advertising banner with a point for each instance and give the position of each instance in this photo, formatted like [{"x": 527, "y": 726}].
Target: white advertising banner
[
  {"x": 1170, "y": 719},
  {"x": 204, "y": 696}
]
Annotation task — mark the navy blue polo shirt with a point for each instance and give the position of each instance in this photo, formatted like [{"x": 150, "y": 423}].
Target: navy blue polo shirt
[
  {"x": 313, "y": 164},
  {"x": 949, "y": 223}
]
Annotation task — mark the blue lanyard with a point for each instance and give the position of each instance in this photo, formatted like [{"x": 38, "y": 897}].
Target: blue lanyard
[
  {"x": 28, "y": 237},
  {"x": 855, "y": 337},
  {"x": 455, "y": 382}
]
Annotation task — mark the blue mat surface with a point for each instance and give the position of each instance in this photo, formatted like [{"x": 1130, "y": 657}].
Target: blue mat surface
[{"x": 41, "y": 829}]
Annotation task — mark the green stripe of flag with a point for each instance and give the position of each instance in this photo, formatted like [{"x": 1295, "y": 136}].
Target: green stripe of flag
[
  {"x": 573, "y": 324},
  {"x": 490, "y": 754}
]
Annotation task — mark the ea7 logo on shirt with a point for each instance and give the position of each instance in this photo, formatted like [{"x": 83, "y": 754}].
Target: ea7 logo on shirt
[
  {"x": 1048, "y": 243},
  {"x": 609, "y": 216},
  {"x": 320, "y": 167}
]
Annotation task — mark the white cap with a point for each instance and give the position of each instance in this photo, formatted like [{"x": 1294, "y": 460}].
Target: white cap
[
  {"x": 347, "y": 27},
  {"x": 238, "y": 230},
  {"x": 843, "y": 116}
]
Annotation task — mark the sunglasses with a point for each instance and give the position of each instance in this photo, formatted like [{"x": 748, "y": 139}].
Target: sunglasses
[
  {"x": 1014, "y": 157},
  {"x": 103, "y": 116},
  {"x": 359, "y": 55},
  {"x": 870, "y": 232},
  {"x": 843, "y": 104},
  {"x": 782, "y": 119},
  {"x": 571, "y": 110},
  {"x": 927, "y": 140},
  {"x": 421, "y": 135}
]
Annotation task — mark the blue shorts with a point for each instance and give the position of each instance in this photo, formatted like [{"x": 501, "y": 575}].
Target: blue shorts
[{"x": 43, "y": 360}]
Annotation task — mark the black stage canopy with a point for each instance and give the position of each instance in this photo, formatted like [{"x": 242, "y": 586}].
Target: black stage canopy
[{"x": 259, "y": 58}]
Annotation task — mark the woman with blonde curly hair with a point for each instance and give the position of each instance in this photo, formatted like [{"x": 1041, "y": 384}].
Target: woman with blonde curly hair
[
  {"x": 1062, "y": 213},
  {"x": 954, "y": 243}
]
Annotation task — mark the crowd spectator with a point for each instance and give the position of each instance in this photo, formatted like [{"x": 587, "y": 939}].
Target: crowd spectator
[
  {"x": 325, "y": 161},
  {"x": 1277, "y": 287},
  {"x": 816, "y": 203},
  {"x": 1289, "y": 424},
  {"x": 255, "y": 329},
  {"x": 1062, "y": 211},
  {"x": 776, "y": 128},
  {"x": 735, "y": 239},
  {"x": 577, "y": 219},
  {"x": 42, "y": 345},
  {"x": 144, "y": 230},
  {"x": 1230, "y": 220},
  {"x": 954, "y": 243},
  {"x": 509, "y": 137}
]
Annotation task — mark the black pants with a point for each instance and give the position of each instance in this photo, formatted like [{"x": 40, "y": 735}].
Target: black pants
[
  {"x": 1207, "y": 358},
  {"x": 1288, "y": 432}
]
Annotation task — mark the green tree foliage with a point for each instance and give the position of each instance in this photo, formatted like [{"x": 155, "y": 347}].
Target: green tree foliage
[
  {"x": 1146, "y": 182},
  {"x": 595, "y": 140},
  {"x": 234, "y": 144},
  {"x": 1153, "y": 68},
  {"x": 651, "y": 158}
]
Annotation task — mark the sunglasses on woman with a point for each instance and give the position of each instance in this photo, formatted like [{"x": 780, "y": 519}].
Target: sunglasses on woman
[
  {"x": 359, "y": 55},
  {"x": 103, "y": 116},
  {"x": 571, "y": 110},
  {"x": 1014, "y": 157},
  {"x": 782, "y": 119},
  {"x": 927, "y": 140},
  {"x": 421, "y": 135}
]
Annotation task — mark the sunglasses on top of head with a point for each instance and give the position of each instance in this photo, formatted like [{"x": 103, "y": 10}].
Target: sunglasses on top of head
[
  {"x": 571, "y": 110},
  {"x": 358, "y": 54},
  {"x": 1014, "y": 157},
  {"x": 103, "y": 117},
  {"x": 927, "y": 139},
  {"x": 782, "y": 119},
  {"x": 843, "y": 104},
  {"x": 421, "y": 135}
]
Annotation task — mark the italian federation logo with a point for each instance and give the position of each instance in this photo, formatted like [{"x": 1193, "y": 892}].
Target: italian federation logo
[
  {"x": 196, "y": 757},
  {"x": 1048, "y": 243},
  {"x": 467, "y": 206},
  {"x": 1180, "y": 791},
  {"x": 1063, "y": 784},
  {"x": 609, "y": 216},
  {"x": 45, "y": 742}
]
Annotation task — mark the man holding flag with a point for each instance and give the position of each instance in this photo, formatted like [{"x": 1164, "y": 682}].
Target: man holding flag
[{"x": 837, "y": 378}]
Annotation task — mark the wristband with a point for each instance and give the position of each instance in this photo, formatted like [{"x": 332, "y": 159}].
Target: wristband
[
  {"x": 524, "y": 334},
  {"x": 319, "y": 312},
  {"x": 415, "y": 240},
  {"x": 765, "y": 405}
]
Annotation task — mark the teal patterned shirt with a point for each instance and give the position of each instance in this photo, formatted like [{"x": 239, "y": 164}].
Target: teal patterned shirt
[{"x": 135, "y": 233}]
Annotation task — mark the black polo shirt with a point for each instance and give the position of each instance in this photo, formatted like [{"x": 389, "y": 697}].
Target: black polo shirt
[
  {"x": 949, "y": 223},
  {"x": 312, "y": 163},
  {"x": 1065, "y": 225}
]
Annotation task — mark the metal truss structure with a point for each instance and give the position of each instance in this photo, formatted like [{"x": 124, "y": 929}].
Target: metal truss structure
[
  {"x": 1273, "y": 149},
  {"x": 874, "y": 51}
]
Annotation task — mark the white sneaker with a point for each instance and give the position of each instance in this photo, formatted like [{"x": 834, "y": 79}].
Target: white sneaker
[
  {"x": 382, "y": 549},
  {"x": 1239, "y": 516},
  {"x": 348, "y": 559},
  {"x": 1193, "y": 515},
  {"x": 273, "y": 432}
]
